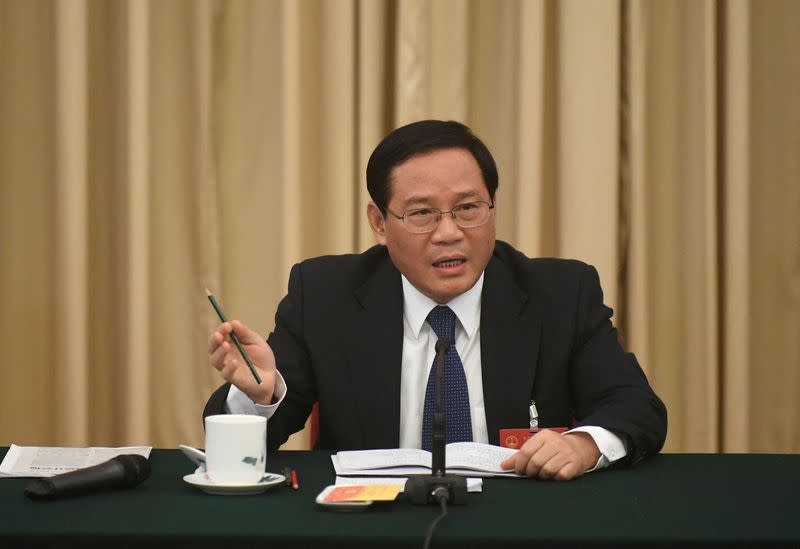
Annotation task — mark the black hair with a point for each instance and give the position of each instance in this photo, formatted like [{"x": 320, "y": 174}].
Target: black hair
[{"x": 418, "y": 138}]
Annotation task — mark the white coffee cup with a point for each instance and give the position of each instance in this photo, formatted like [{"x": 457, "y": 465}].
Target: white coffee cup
[{"x": 236, "y": 448}]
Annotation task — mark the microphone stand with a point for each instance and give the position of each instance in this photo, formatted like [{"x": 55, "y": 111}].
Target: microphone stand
[{"x": 438, "y": 487}]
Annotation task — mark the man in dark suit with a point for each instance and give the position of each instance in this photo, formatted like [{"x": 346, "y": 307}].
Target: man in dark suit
[{"x": 357, "y": 333}]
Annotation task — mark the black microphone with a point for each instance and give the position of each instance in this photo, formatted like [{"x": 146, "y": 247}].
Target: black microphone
[
  {"x": 439, "y": 428},
  {"x": 125, "y": 471},
  {"x": 438, "y": 486}
]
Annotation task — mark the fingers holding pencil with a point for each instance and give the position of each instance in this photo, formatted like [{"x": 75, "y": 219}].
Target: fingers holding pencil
[
  {"x": 247, "y": 337},
  {"x": 242, "y": 357},
  {"x": 225, "y": 357}
]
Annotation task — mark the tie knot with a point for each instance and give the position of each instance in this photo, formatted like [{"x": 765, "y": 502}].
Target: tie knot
[{"x": 443, "y": 321}]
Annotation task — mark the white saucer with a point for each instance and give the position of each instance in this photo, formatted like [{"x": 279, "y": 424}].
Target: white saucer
[{"x": 208, "y": 486}]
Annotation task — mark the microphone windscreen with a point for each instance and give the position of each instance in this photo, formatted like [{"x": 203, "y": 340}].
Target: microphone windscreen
[{"x": 136, "y": 467}]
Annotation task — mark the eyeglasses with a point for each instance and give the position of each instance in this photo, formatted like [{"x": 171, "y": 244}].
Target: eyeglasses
[{"x": 425, "y": 220}]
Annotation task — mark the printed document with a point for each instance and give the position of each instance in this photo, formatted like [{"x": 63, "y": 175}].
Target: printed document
[
  {"x": 473, "y": 459},
  {"x": 46, "y": 461}
]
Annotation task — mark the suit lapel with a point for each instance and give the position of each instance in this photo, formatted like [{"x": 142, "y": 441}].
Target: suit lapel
[
  {"x": 510, "y": 334},
  {"x": 375, "y": 355}
]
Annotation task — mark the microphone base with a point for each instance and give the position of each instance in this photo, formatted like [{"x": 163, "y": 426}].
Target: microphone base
[{"x": 419, "y": 489}]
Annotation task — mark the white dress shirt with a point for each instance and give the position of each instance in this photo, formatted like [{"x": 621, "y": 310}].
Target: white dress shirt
[
  {"x": 419, "y": 342},
  {"x": 419, "y": 350}
]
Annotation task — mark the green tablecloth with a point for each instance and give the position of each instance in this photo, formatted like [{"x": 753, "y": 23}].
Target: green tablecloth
[{"x": 671, "y": 499}]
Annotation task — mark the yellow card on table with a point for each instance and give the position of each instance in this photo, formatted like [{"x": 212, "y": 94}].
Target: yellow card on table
[{"x": 376, "y": 492}]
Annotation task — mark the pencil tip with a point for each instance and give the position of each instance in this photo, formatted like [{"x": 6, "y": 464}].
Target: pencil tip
[{"x": 207, "y": 292}]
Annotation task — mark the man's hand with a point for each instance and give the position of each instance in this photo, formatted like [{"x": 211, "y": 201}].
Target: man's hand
[
  {"x": 225, "y": 357},
  {"x": 550, "y": 455}
]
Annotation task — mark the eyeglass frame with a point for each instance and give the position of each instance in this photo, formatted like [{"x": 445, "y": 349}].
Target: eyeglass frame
[{"x": 441, "y": 214}]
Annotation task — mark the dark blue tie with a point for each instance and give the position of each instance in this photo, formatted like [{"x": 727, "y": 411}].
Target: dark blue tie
[{"x": 455, "y": 396}]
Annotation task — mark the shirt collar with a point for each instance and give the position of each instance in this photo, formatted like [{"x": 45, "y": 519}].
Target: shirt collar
[{"x": 466, "y": 306}]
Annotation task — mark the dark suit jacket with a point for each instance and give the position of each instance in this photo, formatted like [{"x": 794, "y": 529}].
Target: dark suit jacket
[{"x": 545, "y": 335}]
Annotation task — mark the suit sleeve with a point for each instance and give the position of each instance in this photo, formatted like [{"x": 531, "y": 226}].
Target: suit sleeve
[
  {"x": 293, "y": 359},
  {"x": 609, "y": 387}
]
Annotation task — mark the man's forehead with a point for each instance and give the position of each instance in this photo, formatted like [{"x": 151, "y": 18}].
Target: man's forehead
[
  {"x": 420, "y": 178},
  {"x": 425, "y": 158}
]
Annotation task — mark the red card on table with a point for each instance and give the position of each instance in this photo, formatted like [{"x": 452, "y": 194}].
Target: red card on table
[
  {"x": 515, "y": 438},
  {"x": 363, "y": 493}
]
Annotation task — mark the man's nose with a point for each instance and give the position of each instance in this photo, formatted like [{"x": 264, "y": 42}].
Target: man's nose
[{"x": 447, "y": 229}]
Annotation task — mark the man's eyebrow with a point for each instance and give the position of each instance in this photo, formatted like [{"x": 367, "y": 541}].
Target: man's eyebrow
[
  {"x": 467, "y": 194},
  {"x": 417, "y": 200},
  {"x": 422, "y": 199}
]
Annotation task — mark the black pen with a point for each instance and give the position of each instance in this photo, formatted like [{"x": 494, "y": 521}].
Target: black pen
[
  {"x": 287, "y": 473},
  {"x": 235, "y": 339}
]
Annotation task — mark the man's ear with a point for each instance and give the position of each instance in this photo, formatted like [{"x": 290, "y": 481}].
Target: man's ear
[{"x": 377, "y": 222}]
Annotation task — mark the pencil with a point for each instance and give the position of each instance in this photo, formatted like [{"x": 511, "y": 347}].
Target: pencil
[{"x": 235, "y": 339}]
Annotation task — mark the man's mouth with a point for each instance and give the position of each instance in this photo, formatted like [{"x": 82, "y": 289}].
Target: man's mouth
[{"x": 449, "y": 263}]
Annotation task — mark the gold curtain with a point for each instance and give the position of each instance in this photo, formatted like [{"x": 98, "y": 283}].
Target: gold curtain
[{"x": 151, "y": 149}]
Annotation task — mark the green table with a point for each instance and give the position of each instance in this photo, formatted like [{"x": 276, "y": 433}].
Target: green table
[{"x": 672, "y": 499}]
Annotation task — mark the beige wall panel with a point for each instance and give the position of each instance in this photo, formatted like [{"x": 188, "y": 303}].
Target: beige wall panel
[
  {"x": 26, "y": 223},
  {"x": 431, "y": 60},
  {"x": 588, "y": 136},
  {"x": 493, "y": 114},
  {"x": 448, "y": 65},
  {"x": 530, "y": 207},
  {"x": 71, "y": 336},
  {"x": 775, "y": 229},
  {"x": 374, "y": 111},
  {"x": 290, "y": 143},
  {"x": 700, "y": 206},
  {"x": 506, "y": 106},
  {"x": 663, "y": 176},
  {"x": 321, "y": 41},
  {"x": 249, "y": 163},
  {"x": 639, "y": 326},
  {"x": 134, "y": 173},
  {"x": 337, "y": 180},
  {"x": 257, "y": 127},
  {"x": 107, "y": 250},
  {"x": 411, "y": 62},
  {"x": 176, "y": 247},
  {"x": 656, "y": 185},
  {"x": 736, "y": 321}
]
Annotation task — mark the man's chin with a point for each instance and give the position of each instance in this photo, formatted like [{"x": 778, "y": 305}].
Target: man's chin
[{"x": 448, "y": 292}]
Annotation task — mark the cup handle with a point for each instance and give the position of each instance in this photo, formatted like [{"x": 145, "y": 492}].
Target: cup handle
[{"x": 198, "y": 457}]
